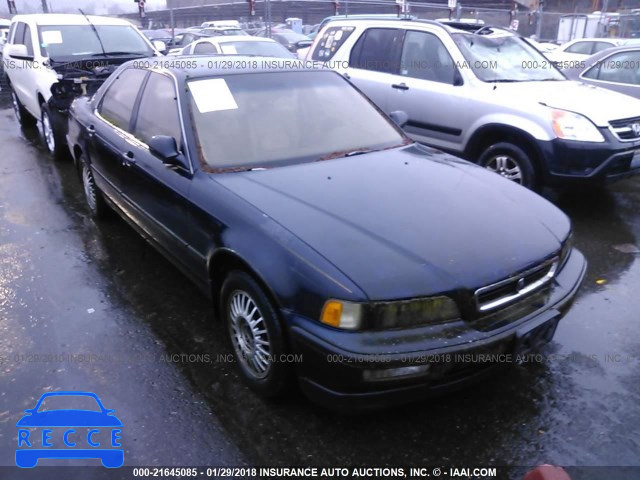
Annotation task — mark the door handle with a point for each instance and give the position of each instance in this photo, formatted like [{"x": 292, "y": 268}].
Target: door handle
[
  {"x": 400, "y": 86},
  {"x": 346, "y": 75},
  {"x": 128, "y": 159},
  {"x": 91, "y": 130}
]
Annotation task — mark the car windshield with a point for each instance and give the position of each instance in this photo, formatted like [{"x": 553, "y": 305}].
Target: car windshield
[
  {"x": 69, "y": 402},
  {"x": 63, "y": 43},
  {"x": 271, "y": 119},
  {"x": 263, "y": 49},
  {"x": 504, "y": 58}
]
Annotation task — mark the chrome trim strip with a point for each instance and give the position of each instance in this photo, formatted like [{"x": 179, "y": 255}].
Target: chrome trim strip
[{"x": 553, "y": 263}]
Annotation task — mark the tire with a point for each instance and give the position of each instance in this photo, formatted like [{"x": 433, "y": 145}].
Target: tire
[
  {"x": 52, "y": 140},
  {"x": 96, "y": 203},
  {"x": 239, "y": 296},
  {"x": 511, "y": 162},
  {"x": 25, "y": 119}
]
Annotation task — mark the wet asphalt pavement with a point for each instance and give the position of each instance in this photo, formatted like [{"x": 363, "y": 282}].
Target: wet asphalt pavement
[{"x": 90, "y": 306}]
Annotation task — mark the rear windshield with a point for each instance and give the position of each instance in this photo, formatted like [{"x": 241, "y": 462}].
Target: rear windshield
[{"x": 263, "y": 49}]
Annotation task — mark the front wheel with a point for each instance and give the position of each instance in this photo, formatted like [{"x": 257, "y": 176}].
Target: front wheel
[
  {"x": 254, "y": 329},
  {"x": 511, "y": 162},
  {"x": 24, "y": 118},
  {"x": 53, "y": 142}
]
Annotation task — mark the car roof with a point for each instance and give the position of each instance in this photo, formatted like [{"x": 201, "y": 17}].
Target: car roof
[
  {"x": 610, "y": 51},
  {"x": 412, "y": 22},
  {"x": 69, "y": 19}
]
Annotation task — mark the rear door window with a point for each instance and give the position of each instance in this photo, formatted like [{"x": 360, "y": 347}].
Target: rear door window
[
  {"x": 583, "y": 48},
  {"x": 117, "y": 104},
  {"x": 332, "y": 39},
  {"x": 204, "y": 48},
  {"x": 378, "y": 49}
]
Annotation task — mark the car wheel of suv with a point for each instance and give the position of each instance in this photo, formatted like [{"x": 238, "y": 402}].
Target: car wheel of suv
[
  {"x": 22, "y": 115},
  {"x": 255, "y": 333},
  {"x": 511, "y": 162},
  {"x": 51, "y": 139},
  {"x": 97, "y": 205}
]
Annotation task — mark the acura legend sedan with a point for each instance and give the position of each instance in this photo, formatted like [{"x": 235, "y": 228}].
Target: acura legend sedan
[{"x": 336, "y": 251}]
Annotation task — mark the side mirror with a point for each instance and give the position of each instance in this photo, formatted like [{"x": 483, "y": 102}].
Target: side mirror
[
  {"x": 160, "y": 46},
  {"x": 303, "y": 44},
  {"x": 399, "y": 117},
  {"x": 166, "y": 149},
  {"x": 19, "y": 52}
]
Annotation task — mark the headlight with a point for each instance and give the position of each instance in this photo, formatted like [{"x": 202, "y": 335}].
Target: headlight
[
  {"x": 387, "y": 315},
  {"x": 572, "y": 126},
  {"x": 408, "y": 313}
]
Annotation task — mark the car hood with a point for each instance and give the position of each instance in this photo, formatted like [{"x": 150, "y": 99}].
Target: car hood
[
  {"x": 403, "y": 225},
  {"x": 598, "y": 104},
  {"x": 69, "y": 418}
]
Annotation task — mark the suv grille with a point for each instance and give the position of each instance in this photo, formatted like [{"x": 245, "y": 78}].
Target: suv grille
[
  {"x": 626, "y": 128},
  {"x": 514, "y": 288}
]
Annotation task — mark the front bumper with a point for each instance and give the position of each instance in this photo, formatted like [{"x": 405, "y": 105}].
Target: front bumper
[
  {"x": 334, "y": 362},
  {"x": 569, "y": 162}
]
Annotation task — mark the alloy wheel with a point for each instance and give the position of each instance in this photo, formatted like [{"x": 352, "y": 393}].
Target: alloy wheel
[
  {"x": 249, "y": 334},
  {"x": 47, "y": 131},
  {"x": 89, "y": 188},
  {"x": 507, "y": 167}
]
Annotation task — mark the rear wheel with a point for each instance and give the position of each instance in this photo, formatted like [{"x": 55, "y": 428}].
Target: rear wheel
[
  {"x": 96, "y": 203},
  {"x": 22, "y": 115},
  {"x": 511, "y": 162},
  {"x": 52, "y": 139},
  {"x": 255, "y": 334}
]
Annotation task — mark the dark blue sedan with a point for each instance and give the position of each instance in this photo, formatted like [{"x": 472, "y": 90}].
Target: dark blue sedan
[{"x": 336, "y": 250}]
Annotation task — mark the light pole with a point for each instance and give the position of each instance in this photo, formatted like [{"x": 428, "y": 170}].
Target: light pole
[{"x": 45, "y": 6}]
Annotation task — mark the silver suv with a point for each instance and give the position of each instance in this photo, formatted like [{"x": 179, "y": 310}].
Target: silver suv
[{"x": 488, "y": 96}]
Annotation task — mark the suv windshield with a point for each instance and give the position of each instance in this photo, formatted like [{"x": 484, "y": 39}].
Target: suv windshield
[
  {"x": 63, "y": 43},
  {"x": 504, "y": 58},
  {"x": 264, "y": 120}
]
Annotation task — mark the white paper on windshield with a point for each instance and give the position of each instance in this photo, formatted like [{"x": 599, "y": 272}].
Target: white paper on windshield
[
  {"x": 228, "y": 49},
  {"x": 212, "y": 95},
  {"x": 52, "y": 37}
]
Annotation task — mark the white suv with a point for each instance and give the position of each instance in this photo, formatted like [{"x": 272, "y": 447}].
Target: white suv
[
  {"x": 487, "y": 95},
  {"x": 50, "y": 59}
]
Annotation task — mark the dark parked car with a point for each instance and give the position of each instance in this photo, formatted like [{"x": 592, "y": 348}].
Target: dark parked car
[
  {"x": 330, "y": 235},
  {"x": 616, "y": 69},
  {"x": 288, "y": 38}
]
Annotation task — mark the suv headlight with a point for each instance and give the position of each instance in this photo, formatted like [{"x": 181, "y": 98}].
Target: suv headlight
[
  {"x": 388, "y": 315},
  {"x": 572, "y": 126}
]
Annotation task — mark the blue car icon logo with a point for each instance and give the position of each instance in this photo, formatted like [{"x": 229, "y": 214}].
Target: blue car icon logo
[{"x": 71, "y": 433}]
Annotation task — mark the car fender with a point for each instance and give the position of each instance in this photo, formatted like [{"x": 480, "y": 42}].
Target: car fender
[
  {"x": 533, "y": 128},
  {"x": 290, "y": 270}
]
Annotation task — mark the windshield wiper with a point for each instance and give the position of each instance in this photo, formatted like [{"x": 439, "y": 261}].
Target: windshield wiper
[
  {"x": 347, "y": 153},
  {"x": 106, "y": 54}
]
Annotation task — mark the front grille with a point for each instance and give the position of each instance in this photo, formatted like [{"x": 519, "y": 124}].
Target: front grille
[
  {"x": 626, "y": 128},
  {"x": 512, "y": 289}
]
